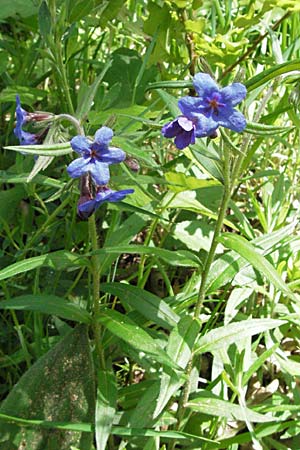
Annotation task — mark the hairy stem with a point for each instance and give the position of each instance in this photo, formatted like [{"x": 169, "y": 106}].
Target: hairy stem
[{"x": 96, "y": 288}]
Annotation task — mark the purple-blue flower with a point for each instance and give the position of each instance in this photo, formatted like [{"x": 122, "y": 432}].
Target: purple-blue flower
[
  {"x": 95, "y": 156},
  {"x": 22, "y": 116},
  {"x": 86, "y": 205},
  {"x": 182, "y": 129},
  {"x": 215, "y": 104},
  {"x": 202, "y": 115}
]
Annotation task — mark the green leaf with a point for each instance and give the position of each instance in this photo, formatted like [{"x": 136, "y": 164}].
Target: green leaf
[
  {"x": 105, "y": 406},
  {"x": 245, "y": 249},
  {"x": 270, "y": 74},
  {"x": 14, "y": 178},
  {"x": 18, "y": 8},
  {"x": 261, "y": 129},
  {"x": 57, "y": 260},
  {"x": 148, "y": 304},
  {"x": 127, "y": 330},
  {"x": 48, "y": 304},
  {"x": 172, "y": 84},
  {"x": 87, "y": 100},
  {"x": 44, "y": 20},
  {"x": 187, "y": 200},
  {"x": 170, "y": 101},
  {"x": 223, "y": 337},
  {"x": 60, "y": 149},
  {"x": 180, "y": 346},
  {"x": 178, "y": 435},
  {"x": 59, "y": 387},
  {"x": 78, "y": 9},
  {"x": 229, "y": 264},
  {"x": 207, "y": 403},
  {"x": 180, "y": 182},
  {"x": 181, "y": 258}
]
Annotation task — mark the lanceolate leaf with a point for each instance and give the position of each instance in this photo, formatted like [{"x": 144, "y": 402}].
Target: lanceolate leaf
[
  {"x": 127, "y": 330},
  {"x": 223, "y": 337},
  {"x": 48, "y": 304},
  {"x": 105, "y": 406},
  {"x": 43, "y": 150},
  {"x": 258, "y": 261},
  {"x": 181, "y": 342},
  {"x": 56, "y": 260},
  {"x": 148, "y": 304},
  {"x": 227, "y": 266},
  {"x": 272, "y": 73},
  {"x": 208, "y": 403}
]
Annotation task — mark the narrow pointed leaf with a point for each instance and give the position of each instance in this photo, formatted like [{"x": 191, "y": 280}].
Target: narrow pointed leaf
[
  {"x": 127, "y": 330},
  {"x": 148, "y": 304},
  {"x": 245, "y": 249},
  {"x": 105, "y": 406},
  {"x": 48, "y": 304},
  {"x": 223, "y": 337}
]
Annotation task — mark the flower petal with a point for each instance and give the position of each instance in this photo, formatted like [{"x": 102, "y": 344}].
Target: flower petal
[
  {"x": 185, "y": 123},
  {"x": 103, "y": 136},
  {"x": 87, "y": 208},
  {"x": 232, "y": 119},
  {"x": 184, "y": 139},
  {"x": 99, "y": 171},
  {"x": 204, "y": 84},
  {"x": 171, "y": 129},
  {"x": 78, "y": 167},
  {"x": 112, "y": 196},
  {"x": 233, "y": 94},
  {"x": 81, "y": 145},
  {"x": 190, "y": 106},
  {"x": 111, "y": 155}
]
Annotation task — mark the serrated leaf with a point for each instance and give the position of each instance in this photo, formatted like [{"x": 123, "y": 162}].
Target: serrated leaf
[
  {"x": 47, "y": 304},
  {"x": 59, "y": 387},
  {"x": 146, "y": 303}
]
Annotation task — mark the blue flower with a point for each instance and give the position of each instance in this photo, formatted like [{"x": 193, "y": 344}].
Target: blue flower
[
  {"x": 88, "y": 205},
  {"x": 182, "y": 129},
  {"x": 22, "y": 116},
  {"x": 215, "y": 104},
  {"x": 202, "y": 115},
  {"x": 95, "y": 156}
]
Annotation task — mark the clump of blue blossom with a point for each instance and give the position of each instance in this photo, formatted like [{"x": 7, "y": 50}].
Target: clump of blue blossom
[
  {"x": 94, "y": 161},
  {"x": 202, "y": 115}
]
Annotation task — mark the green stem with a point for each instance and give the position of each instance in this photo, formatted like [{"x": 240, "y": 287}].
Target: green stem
[
  {"x": 201, "y": 295},
  {"x": 73, "y": 120},
  {"x": 96, "y": 289},
  {"x": 63, "y": 76},
  {"x": 219, "y": 224}
]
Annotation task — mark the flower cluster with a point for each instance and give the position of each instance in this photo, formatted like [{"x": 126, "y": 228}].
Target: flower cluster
[
  {"x": 202, "y": 115},
  {"x": 95, "y": 158}
]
